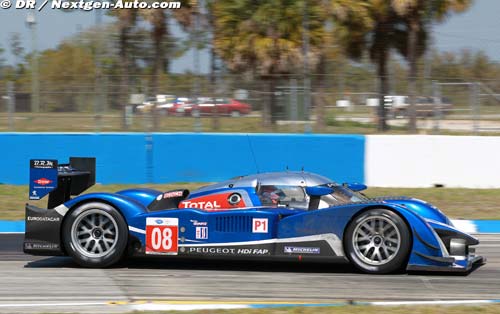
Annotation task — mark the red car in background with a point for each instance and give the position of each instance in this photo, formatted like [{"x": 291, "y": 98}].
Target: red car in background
[{"x": 207, "y": 106}]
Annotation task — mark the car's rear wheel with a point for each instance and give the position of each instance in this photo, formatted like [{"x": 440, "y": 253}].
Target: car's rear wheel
[
  {"x": 378, "y": 241},
  {"x": 95, "y": 235},
  {"x": 235, "y": 114}
]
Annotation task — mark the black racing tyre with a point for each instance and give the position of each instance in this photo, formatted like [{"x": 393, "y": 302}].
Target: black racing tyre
[
  {"x": 95, "y": 235},
  {"x": 378, "y": 241}
]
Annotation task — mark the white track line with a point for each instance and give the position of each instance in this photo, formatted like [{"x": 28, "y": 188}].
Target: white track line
[
  {"x": 51, "y": 304},
  {"x": 450, "y": 302}
]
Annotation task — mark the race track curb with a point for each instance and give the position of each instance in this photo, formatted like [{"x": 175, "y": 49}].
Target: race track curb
[{"x": 468, "y": 226}]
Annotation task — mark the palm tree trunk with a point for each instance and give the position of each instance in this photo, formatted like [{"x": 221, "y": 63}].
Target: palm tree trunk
[
  {"x": 157, "y": 64},
  {"x": 412, "y": 74},
  {"x": 213, "y": 81},
  {"x": 272, "y": 100},
  {"x": 317, "y": 100},
  {"x": 124, "y": 84},
  {"x": 266, "y": 109},
  {"x": 158, "y": 34},
  {"x": 383, "y": 88}
]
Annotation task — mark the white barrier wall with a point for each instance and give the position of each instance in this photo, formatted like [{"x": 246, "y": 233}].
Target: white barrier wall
[{"x": 427, "y": 160}]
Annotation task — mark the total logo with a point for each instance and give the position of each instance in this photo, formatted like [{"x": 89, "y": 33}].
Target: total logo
[
  {"x": 201, "y": 205},
  {"x": 214, "y": 202},
  {"x": 43, "y": 181}
]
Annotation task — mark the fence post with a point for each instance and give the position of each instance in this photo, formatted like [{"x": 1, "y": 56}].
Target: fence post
[
  {"x": 474, "y": 106},
  {"x": 11, "y": 104},
  {"x": 436, "y": 95},
  {"x": 149, "y": 158},
  {"x": 293, "y": 114}
]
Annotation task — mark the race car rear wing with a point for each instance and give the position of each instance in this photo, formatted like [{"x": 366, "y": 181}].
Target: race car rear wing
[{"x": 60, "y": 181}]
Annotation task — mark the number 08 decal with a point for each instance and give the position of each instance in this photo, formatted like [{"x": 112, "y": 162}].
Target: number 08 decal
[{"x": 162, "y": 236}]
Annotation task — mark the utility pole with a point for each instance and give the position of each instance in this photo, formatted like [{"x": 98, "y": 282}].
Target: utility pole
[
  {"x": 11, "y": 104},
  {"x": 196, "y": 62},
  {"x": 305, "y": 53},
  {"x": 35, "y": 88},
  {"x": 98, "y": 99}
]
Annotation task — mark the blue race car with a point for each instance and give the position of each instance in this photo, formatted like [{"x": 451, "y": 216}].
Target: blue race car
[{"x": 295, "y": 216}]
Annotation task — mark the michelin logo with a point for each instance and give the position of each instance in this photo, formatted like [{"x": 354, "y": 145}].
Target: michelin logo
[{"x": 301, "y": 250}]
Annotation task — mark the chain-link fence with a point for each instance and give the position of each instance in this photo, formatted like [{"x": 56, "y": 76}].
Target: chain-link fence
[{"x": 240, "y": 104}]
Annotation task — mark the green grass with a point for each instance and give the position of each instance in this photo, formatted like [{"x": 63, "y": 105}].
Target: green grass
[
  {"x": 477, "y": 309},
  {"x": 112, "y": 122},
  {"x": 456, "y": 203}
]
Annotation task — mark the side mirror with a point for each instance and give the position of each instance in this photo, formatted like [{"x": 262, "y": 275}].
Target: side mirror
[
  {"x": 318, "y": 190},
  {"x": 356, "y": 187}
]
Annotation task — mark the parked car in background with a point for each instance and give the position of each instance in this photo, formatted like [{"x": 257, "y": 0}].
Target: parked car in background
[
  {"x": 424, "y": 106},
  {"x": 182, "y": 106},
  {"x": 146, "y": 106},
  {"x": 160, "y": 103},
  {"x": 221, "y": 106},
  {"x": 185, "y": 106}
]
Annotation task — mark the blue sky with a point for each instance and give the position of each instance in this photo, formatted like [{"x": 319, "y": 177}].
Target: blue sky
[{"x": 477, "y": 29}]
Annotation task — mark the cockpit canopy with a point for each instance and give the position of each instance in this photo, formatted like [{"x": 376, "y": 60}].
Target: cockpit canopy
[
  {"x": 290, "y": 178},
  {"x": 299, "y": 190}
]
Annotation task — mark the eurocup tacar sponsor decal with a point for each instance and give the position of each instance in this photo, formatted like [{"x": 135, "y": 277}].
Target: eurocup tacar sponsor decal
[
  {"x": 215, "y": 202},
  {"x": 43, "y": 177},
  {"x": 162, "y": 236}
]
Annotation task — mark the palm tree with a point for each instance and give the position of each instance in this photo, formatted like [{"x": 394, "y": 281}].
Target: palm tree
[
  {"x": 371, "y": 26},
  {"x": 126, "y": 21},
  {"x": 418, "y": 15},
  {"x": 158, "y": 21},
  {"x": 264, "y": 38},
  {"x": 159, "y": 32}
]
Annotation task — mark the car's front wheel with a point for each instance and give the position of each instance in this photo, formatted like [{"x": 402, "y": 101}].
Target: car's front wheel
[
  {"x": 95, "y": 235},
  {"x": 378, "y": 241}
]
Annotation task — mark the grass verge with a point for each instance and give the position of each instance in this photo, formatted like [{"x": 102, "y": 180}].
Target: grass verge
[{"x": 464, "y": 309}]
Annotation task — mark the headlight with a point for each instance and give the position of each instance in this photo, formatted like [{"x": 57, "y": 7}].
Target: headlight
[{"x": 458, "y": 247}]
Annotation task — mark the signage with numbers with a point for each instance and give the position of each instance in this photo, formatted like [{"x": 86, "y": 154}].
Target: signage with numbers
[
  {"x": 43, "y": 177},
  {"x": 259, "y": 225},
  {"x": 162, "y": 236}
]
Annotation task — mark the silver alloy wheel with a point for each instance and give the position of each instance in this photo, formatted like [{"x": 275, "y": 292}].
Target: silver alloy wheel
[
  {"x": 376, "y": 240},
  {"x": 94, "y": 233}
]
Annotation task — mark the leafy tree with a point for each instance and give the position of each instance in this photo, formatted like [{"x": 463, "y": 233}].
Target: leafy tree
[
  {"x": 17, "y": 50},
  {"x": 2, "y": 60},
  {"x": 264, "y": 38},
  {"x": 66, "y": 73},
  {"x": 157, "y": 19}
]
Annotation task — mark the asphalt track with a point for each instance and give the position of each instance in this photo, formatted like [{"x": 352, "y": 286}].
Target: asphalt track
[{"x": 55, "y": 284}]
